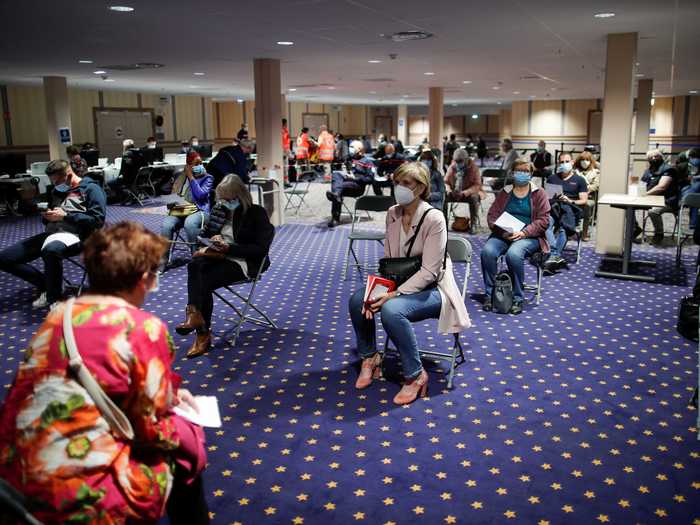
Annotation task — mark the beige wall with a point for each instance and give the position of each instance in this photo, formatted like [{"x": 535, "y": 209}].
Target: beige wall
[
  {"x": 28, "y": 114},
  {"x": 188, "y": 116}
]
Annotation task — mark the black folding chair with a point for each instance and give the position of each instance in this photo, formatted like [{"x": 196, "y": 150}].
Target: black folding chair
[
  {"x": 690, "y": 201},
  {"x": 247, "y": 303},
  {"x": 366, "y": 203}
]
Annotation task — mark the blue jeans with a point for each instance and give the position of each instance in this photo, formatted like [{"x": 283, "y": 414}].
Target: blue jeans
[
  {"x": 15, "y": 259},
  {"x": 692, "y": 188},
  {"x": 557, "y": 241},
  {"x": 516, "y": 253},
  {"x": 397, "y": 315},
  {"x": 192, "y": 225}
]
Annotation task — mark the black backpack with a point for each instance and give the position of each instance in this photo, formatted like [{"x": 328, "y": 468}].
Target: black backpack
[
  {"x": 502, "y": 294},
  {"x": 687, "y": 324}
]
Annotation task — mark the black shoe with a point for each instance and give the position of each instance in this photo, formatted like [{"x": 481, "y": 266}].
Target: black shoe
[
  {"x": 550, "y": 267},
  {"x": 488, "y": 305},
  {"x": 517, "y": 307},
  {"x": 333, "y": 223},
  {"x": 562, "y": 263},
  {"x": 333, "y": 197}
]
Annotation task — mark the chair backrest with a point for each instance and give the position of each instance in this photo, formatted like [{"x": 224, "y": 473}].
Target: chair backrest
[
  {"x": 691, "y": 200},
  {"x": 494, "y": 172},
  {"x": 459, "y": 249},
  {"x": 374, "y": 203}
]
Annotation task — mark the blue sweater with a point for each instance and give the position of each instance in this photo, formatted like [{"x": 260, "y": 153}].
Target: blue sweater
[{"x": 200, "y": 189}]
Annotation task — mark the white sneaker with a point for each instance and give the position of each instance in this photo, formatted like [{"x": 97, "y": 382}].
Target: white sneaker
[{"x": 40, "y": 302}]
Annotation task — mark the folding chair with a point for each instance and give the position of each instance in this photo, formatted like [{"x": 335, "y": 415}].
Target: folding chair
[
  {"x": 367, "y": 203},
  {"x": 690, "y": 201},
  {"x": 247, "y": 303},
  {"x": 537, "y": 260},
  {"x": 13, "y": 503},
  {"x": 298, "y": 193},
  {"x": 578, "y": 235},
  {"x": 74, "y": 260}
]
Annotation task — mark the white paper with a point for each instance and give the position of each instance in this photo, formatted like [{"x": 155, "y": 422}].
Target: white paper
[
  {"x": 553, "y": 189},
  {"x": 509, "y": 223},
  {"x": 379, "y": 289},
  {"x": 208, "y": 415},
  {"x": 68, "y": 239}
]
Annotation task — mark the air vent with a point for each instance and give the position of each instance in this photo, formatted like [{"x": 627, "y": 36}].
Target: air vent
[
  {"x": 132, "y": 67},
  {"x": 379, "y": 79},
  {"x": 310, "y": 86},
  {"x": 406, "y": 36}
]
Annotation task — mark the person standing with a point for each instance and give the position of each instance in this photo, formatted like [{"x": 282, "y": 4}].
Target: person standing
[
  {"x": 481, "y": 149},
  {"x": 243, "y": 132},
  {"x": 450, "y": 147},
  {"x": 326, "y": 151},
  {"x": 302, "y": 149},
  {"x": 542, "y": 161},
  {"x": 231, "y": 159}
]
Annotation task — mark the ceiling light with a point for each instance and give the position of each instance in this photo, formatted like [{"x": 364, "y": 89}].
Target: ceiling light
[
  {"x": 516, "y": 92},
  {"x": 192, "y": 87},
  {"x": 636, "y": 64},
  {"x": 239, "y": 100},
  {"x": 429, "y": 73},
  {"x": 652, "y": 101},
  {"x": 532, "y": 96},
  {"x": 292, "y": 89},
  {"x": 639, "y": 75},
  {"x": 406, "y": 36},
  {"x": 99, "y": 72},
  {"x": 121, "y": 8},
  {"x": 198, "y": 74},
  {"x": 84, "y": 61},
  {"x": 604, "y": 15},
  {"x": 108, "y": 79},
  {"x": 331, "y": 87},
  {"x": 475, "y": 116},
  {"x": 499, "y": 103},
  {"x": 285, "y": 43},
  {"x": 693, "y": 91},
  {"x": 374, "y": 61},
  {"x": 496, "y": 87},
  {"x": 372, "y": 92},
  {"x": 466, "y": 81}
]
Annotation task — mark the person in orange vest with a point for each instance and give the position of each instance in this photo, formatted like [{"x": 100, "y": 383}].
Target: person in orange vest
[
  {"x": 326, "y": 151},
  {"x": 285, "y": 150},
  {"x": 302, "y": 150}
]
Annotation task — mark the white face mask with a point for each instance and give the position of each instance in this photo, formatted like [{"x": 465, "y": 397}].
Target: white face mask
[
  {"x": 404, "y": 196},
  {"x": 585, "y": 164},
  {"x": 156, "y": 284},
  {"x": 195, "y": 143}
]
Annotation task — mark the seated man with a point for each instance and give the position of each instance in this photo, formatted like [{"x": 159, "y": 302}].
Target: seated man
[
  {"x": 386, "y": 166},
  {"x": 542, "y": 161},
  {"x": 566, "y": 211},
  {"x": 77, "y": 162},
  {"x": 689, "y": 173},
  {"x": 350, "y": 184},
  {"x": 463, "y": 181},
  {"x": 76, "y": 206},
  {"x": 661, "y": 179},
  {"x": 132, "y": 162}
]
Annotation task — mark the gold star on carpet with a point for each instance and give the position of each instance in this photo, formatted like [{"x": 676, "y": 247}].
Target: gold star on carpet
[
  {"x": 415, "y": 488},
  {"x": 360, "y": 472},
  {"x": 450, "y": 519},
  {"x": 359, "y": 492},
  {"x": 576, "y": 473},
  {"x": 524, "y": 478},
  {"x": 270, "y": 511},
  {"x": 334, "y": 465},
  {"x": 257, "y": 461},
  {"x": 305, "y": 476},
  {"x": 302, "y": 497},
  {"x": 218, "y": 493},
  {"x": 387, "y": 480},
  {"x": 386, "y": 461},
  {"x": 477, "y": 505},
  {"x": 494, "y": 471},
  {"x": 623, "y": 503},
  {"x": 609, "y": 481},
  {"x": 226, "y": 473},
  {"x": 589, "y": 494},
  {"x": 388, "y": 501},
  {"x": 603, "y": 518},
  {"x": 567, "y": 508},
  {"x": 679, "y": 498},
  {"x": 501, "y": 491},
  {"x": 445, "y": 496},
  {"x": 359, "y": 516},
  {"x": 413, "y": 468},
  {"x": 644, "y": 490},
  {"x": 329, "y": 506},
  {"x": 332, "y": 484},
  {"x": 661, "y": 513},
  {"x": 533, "y": 499},
  {"x": 543, "y": 522},
  {"x": 470, "y": 483},
  {"x": 243, "y": 501},
  {"x": 509, "y": 514},
  {"x": 555, "y": 486},
  {"x": 275, "y": 488},
  {"x": 298, "y": 520}
]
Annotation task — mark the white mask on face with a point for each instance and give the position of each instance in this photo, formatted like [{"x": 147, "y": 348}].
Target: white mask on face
[
  {"x": 195, "y": 143},
  {"x": 404, "y": 196},
  {"x": 585, "y": 164}
]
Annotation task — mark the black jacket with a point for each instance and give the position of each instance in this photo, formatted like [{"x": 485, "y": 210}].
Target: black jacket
[
  {"x": 252, "y": 232},
  {"x": 229, "y": 159},
  {"x": 81, "y": 223},
  {"x": 652, "y": 178}
]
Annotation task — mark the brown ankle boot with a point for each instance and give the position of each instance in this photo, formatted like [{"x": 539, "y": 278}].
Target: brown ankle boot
[
  {"x": 584, "y": 235},
  {"x": 194, "y": 321},
  {"x": 200, "y": 346}
]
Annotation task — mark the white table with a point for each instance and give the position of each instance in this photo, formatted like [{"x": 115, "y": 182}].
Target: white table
[{"x": 629, "y": 203}]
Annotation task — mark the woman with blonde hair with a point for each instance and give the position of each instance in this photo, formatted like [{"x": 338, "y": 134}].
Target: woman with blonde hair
[
  {"x": 238, "y": 237},
  {"x": 588, "y": 168},
  {"x": 110, "y": 449},
  {"x": 413, "y": 227}
]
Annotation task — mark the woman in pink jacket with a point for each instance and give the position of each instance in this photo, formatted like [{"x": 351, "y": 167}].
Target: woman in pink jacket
[{"x": 432, "y": 292}]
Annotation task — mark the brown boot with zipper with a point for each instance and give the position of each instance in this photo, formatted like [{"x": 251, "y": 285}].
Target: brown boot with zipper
[
  {"x": 201, "y": 344},
  {"x": 194, "y": 321}
]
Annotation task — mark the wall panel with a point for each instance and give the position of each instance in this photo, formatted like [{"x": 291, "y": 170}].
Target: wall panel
[
  {"x": 546, "y": 118},
  {"x": 82, "y": 102},
  {"x": 230, "y": 118},
  {"x": 249, "y": 118},
  {"x": 295, "y": 112},
  {"x": 576, "y": 116},
  {"x": 188, "y": 111},
  {"x": 519, "y": 118},
  {"x": 505, "y": 128},
  {"x": 678, "y": 115},
  {"x": 120, "y": 99},
  {"x": 694, "y": 117},
  {"x": 161, "y": 107},
  {"x": 662, "y": 116},
  {"x": 28, "y": 114}
]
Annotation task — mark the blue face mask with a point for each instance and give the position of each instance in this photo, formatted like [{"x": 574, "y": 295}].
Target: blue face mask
[
  {"x": 428, "y": 164},
  {"x": 62, "y": 188},
  {"x": 521, "y": 178},
  {"x": 564, "y": 167},
  {"x": 694, "y": 162},
  {"x": 198, "y": 170},
  {"x": 230, "y": 205}
]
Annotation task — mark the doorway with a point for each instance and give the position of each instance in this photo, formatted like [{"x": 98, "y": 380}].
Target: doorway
[
  {"x": 384, "y": 125},
  {"x": 114, "y": 125}
]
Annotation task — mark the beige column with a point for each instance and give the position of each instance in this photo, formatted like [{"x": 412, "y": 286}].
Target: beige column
[
  {"x": 402, "y": 124},
  {"x": 268, "y": 125},
  {"x": 435, "y": 118},
  {"x": 57, "y": 115},
  {"x": 285, "y": 107},
  {"x": 616, "y": 136}
]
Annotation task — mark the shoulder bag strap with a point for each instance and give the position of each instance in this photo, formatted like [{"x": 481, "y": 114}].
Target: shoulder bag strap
[
  {"x": 420, "y": 223},
  {"x": 114, "y": 416}
]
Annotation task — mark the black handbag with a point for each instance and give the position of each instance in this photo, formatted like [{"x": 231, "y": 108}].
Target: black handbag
[
  {"x": 687, "y": 324},
  {"x": 401, "y": 269},
  {"x": 502, "y": 293}
]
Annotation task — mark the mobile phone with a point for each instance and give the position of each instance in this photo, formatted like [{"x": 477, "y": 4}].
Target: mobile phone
[{"x": 42, "y": 206}]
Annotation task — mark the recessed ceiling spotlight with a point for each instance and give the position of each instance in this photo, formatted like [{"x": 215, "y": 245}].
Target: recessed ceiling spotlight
[
  {"x": 99, "y": 72},
  {"x": 466, "y": 81},
  {"x": 108, "y": 79},
  {"x": 499, "y": 103},
  {"x": 331, "y": 87},
  {"x": 653, "y": 101},
  {"x": 496, "y": 87},
  {"x": 429, "y": 73},
  {"x": 372, "y": 92},
  {"x": 292, "y": 89},
  {"x": 239, "y": 100},
  {"x": 516, "y": 92},
  {"x": 198, "y": 74},
  {"x": 84, "y": 61},
  {"x": 636, "y": 64},
  {"x": 285, "y": 43},
  {"x": 475, "y": 116},
  {"x": 604, "y": 15},
  {"x": 374, "y": 61},
  {"x": 192, "y": 87},
  {"x": 639, "y": 75},
  {"x": 693, "y": 91},
  {"x": 121, "y": 8}
]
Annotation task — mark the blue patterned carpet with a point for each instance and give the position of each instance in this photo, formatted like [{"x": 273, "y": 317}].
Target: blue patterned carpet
[{"x": 573, "y": 412}]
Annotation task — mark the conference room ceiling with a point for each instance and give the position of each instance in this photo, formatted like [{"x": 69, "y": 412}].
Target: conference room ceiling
[{"x": 504, "y": 50}]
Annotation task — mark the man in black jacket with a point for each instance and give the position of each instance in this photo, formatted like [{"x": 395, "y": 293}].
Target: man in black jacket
[
  {"x": 77, "y": 207},
  {"x": 231, "y": 159},
  {"x": 542, "y": 161},
  {"x": 661, "y": 179}
]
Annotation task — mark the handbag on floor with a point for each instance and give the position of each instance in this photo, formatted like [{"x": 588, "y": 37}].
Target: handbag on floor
[
  {"x": 461, "y": 224},
  {"x": 502, "y": 293},
  {"x": 688, "y": 311}
]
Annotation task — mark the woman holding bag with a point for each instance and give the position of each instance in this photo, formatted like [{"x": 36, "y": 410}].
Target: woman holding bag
[
  {"x": 193, "y": 213},
  {"x": 107, "y": 448},
  {"x": 413, "y": 228}
]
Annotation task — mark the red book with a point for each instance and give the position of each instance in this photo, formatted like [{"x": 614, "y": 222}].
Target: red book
[{"x": 376, "y": 286}]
